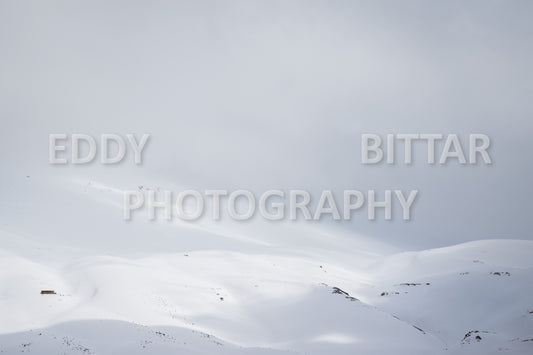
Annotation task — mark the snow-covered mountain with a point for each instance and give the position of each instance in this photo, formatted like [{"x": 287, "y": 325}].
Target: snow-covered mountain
[{"x": 190, "y": 288}]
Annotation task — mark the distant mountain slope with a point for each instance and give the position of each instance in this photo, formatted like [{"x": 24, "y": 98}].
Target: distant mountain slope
[{"x": 291, "y": 288}]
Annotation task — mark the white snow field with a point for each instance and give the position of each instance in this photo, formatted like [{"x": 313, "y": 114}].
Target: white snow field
[{"x": 141, "y": 287}]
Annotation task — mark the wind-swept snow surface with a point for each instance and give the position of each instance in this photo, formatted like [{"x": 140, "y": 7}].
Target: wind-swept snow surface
[{"x": 199, "y": 292}]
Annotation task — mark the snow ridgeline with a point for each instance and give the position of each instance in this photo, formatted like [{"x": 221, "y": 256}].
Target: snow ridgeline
[{"x": 179, "y": 289}]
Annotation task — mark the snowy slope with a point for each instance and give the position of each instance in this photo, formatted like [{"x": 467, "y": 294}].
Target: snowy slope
[{"x": 182, "y": 288}]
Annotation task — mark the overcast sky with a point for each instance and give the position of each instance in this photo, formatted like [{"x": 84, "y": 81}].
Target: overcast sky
[{"x": 276, "y": 94}]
